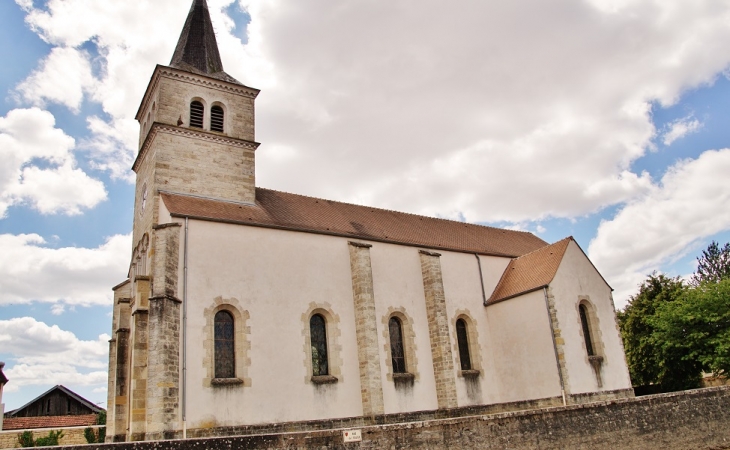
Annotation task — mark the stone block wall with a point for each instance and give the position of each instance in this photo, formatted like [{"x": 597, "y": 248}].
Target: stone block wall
[
  {"x": 438, "y": 329},
  {"x": 366, "y": 329},
  {"x": 71, "y": 436},
  {"x": 695, "y": 420}
]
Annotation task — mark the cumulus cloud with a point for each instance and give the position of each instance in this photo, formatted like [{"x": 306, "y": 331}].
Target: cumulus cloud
[
  {"x": 48, "y": 355},
  {"x": 493, "y": 109},
  {"x": 423, "y": 108},
  {"x": 39, "y": 167},
  {"x": 63, "y": 78},
  {"x": 680, "y": 128},
  {"x": 689, "y": 204},
  {"x": 30, "y": 271}
]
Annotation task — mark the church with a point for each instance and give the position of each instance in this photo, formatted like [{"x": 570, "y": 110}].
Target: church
[{"x": 246, "y": 306}]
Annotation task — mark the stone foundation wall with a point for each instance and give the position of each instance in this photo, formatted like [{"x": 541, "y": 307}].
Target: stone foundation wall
[
  {"x": 686, "y": 420},
  {"x": 71, "y": 436}
]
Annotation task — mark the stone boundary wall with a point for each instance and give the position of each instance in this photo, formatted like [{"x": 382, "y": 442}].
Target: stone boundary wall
[
  {"x": 697, "y": 420},
  {"x": 71, "y": 435}
]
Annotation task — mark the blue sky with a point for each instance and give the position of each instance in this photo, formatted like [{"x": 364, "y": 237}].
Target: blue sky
[{"x": 606, "y": 120}]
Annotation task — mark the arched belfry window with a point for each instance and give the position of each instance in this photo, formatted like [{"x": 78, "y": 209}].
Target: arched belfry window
[
  {"x": 216, "y": 118},
  {"x": 318, "y": 337},
  {"x": 583, "y": 309},
  {"x": 462, "y": 338},
  {"x": 196, "y": 114},
  {"x": 397, "y": 349},
  {"x": 224, "y": 337}
]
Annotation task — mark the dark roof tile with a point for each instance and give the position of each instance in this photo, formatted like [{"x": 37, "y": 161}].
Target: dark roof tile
[{"x": 197, "y": 49}]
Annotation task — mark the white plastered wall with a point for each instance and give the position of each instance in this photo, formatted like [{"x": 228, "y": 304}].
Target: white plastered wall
[
  {"x": 576, "y": 280},
  {"x": 398, "y": 284},
  {"x": 463, "y": 291},
  {"x": 275, "y": 276},
  {"x": 524, "y": 356}
]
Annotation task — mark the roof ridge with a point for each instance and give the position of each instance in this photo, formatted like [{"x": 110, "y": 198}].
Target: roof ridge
[
  {"x": 401, "y": 212},
  {"x": 544, "y": 247}
]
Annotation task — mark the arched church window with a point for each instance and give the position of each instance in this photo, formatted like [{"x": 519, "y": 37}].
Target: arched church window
[
  {"x": 224, "y": 337},
  {"x": 462, "y": 338},
  {"x": 216, "y": 118},
  {"x": 397, "y": 349},
  {"x": 196, "y": 114},
  {"x": 318, "y": 337},
  {"x": 583, "y": 309}
]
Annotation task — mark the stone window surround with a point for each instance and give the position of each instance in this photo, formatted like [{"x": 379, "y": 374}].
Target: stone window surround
[
  {"x": 242, "y": 344},
  {"x": 598, "y": 359},
  {"x": 409, "y": 345},
  {"x": 225, "y": 117},
  {"x": 206, "y": 114},
  {"x": 334, "y": 349},
  {"x": 472, "y": 333}
]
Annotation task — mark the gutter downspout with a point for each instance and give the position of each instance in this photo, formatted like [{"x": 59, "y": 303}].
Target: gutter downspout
[
  {"x": 481, "y": 279},
  {"x": 555, "y": 347},
  {"x": 184, "y": 332}
]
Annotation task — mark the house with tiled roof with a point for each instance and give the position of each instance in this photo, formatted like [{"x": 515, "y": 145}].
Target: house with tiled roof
[
  {"x": 58, "y": 407},
  {"x": 245, "y": 306},
  {"x": 3, "y": 382}
]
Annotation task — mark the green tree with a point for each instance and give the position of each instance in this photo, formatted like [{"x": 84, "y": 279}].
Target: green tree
[
  {"x": 713, "y": 265},
  {"x": 697, "y": 325},
  {"x": 651, "y": 362}
]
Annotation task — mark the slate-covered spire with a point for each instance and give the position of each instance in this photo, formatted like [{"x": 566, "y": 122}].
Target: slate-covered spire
[{"x": 197, "y": 48}]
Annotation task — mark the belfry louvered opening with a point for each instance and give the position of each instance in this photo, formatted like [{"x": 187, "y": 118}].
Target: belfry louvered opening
[
  {"x": 196, "y": 114},
  {"x": 216, "y": 118}
]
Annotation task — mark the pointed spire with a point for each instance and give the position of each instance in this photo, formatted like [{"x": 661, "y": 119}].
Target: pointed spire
[{"x": 197, "y": 47}]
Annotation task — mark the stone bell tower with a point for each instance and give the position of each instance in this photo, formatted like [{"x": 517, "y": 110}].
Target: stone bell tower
[
  {"x": 196, "y": 126},
  {"x": 196, "y": 138}
]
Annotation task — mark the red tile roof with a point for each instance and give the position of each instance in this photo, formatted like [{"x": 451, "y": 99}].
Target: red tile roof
[
  {"x": 24, "y": 423},
  {"x": 530, "y": 272},
  {"x": 281, "y": 210}
]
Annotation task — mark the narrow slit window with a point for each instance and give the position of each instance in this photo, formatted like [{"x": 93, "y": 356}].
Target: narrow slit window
[
  {"x": 318, "y": 337},
  {"x": 397, "y": 350},
  {"x": 216, "y": 118},
  {"x": 463, "y": 341},
  {"x": 224, "y": 338},
  {"x": 196, "y": 114},
  {"x": 586, "y": 329}
]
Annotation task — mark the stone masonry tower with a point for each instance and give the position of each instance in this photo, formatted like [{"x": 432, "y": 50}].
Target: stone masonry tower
[{"x": 196, "y": 138}]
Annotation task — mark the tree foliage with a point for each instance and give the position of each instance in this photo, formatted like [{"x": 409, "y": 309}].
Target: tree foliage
[
  {"x": 673, "y": 332},
  {"x": 649, "y": 360},
  {"x": 713, "y": 265},
  {"x": 99, "y": 435},
  {"x": 698, "y": 325},
  {"x": 25, "y": 439}
]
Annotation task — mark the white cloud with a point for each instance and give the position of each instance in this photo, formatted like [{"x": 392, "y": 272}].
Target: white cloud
[
  {"x": 483, "y": 109},
  {"x": 680, "y": 128},
  {"x": 660, "y": 226},
  {"x": 63, "y": 78},
  {"x": 493, "y": 111},
  {"x": 48, "y": 355},
  {"x": 112, "y": 146},
  {"x": 39, "y": 166},
  {"x": 72, "y": 275},
  {"x": 424, "y": 108}
]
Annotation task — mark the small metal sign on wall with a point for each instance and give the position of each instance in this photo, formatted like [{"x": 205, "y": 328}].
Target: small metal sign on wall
[{"x": 352, "y": 435}]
